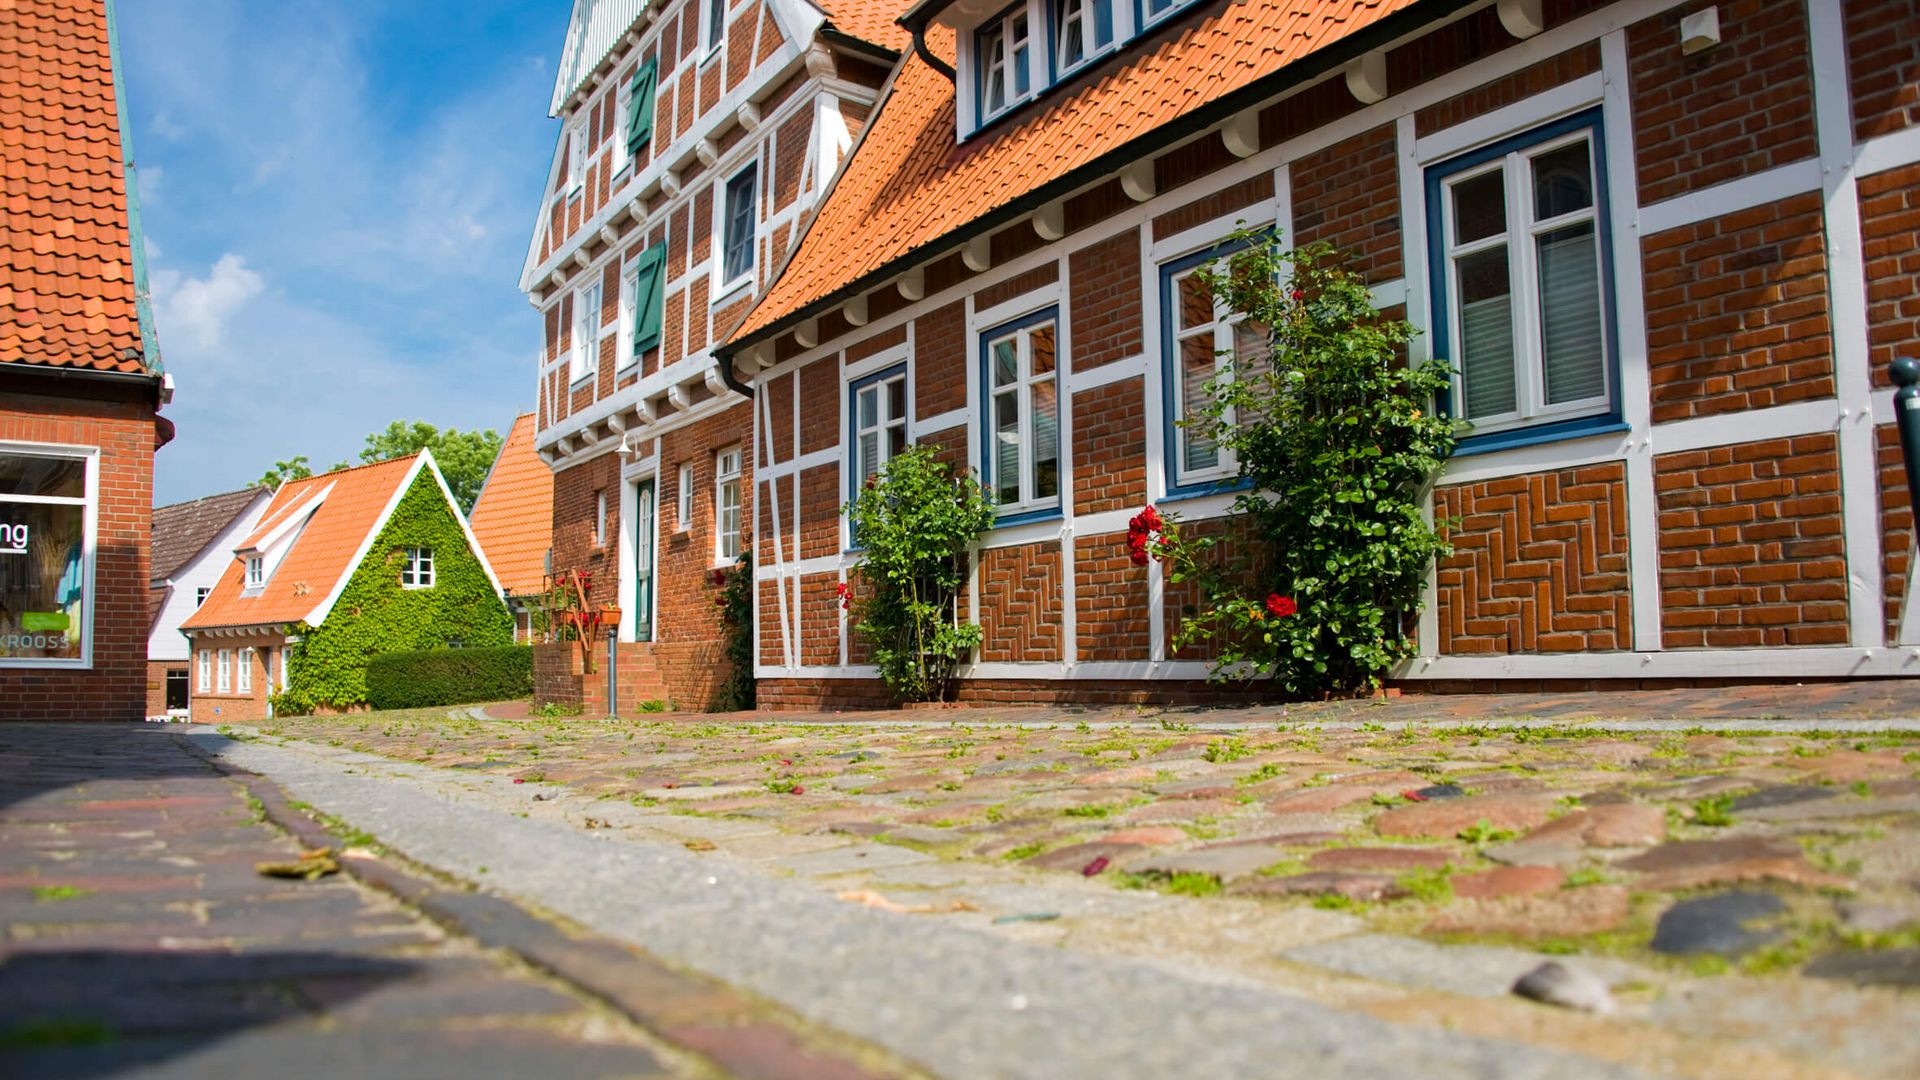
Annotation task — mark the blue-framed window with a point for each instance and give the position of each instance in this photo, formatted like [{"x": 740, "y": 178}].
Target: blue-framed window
[
  {"x": 1003, "y": 49},
  {"x": 1152, "y": 11},
  {"x": 1080, "y": 30},
  {"x": 876, "y": 424},
  {"x": 1020, "y": 428},
  {"x": 1522, "y": 285},
  {"x": 1200, "y": 342}
]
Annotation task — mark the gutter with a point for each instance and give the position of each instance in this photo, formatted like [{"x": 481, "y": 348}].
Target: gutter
[{"x": 1305, "y": 70}]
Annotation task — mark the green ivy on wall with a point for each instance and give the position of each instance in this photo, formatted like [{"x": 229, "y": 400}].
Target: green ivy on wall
[{"x": 327, "y": 668}]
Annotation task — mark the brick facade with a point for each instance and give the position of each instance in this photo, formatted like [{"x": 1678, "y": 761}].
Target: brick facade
[
  {"x": 1890, "y": 233},
  {"x": 234, "y": 705}
]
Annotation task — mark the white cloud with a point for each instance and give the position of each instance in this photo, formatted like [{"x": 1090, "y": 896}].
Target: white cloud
[{"x": 200, "y": 308}]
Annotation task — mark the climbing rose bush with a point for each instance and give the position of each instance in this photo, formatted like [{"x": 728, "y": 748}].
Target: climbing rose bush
[{"x": 1337, "y": 443}]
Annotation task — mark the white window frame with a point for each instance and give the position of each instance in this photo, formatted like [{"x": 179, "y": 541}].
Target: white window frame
[
  {"x": 884, "y": 422},
  {"x": 225, "y": 684},
  {"x": 416, "y": 572},
  {"x": 200, "y": 595},
  {"x": 617, "y": 128},
  {"x": 90, "y": 532},
  {"x": 1523, "y": 282},
  {"x": 586, "y": 334},
  {"x": 1221, "y": 329},
  {"x": 713, "y": 39},
  {"x": 724, "y": 284},
  {"x": 1058, "y": 13},
  {"x": 726, "y": 487},
  {"x": 624, "y": 356},
  {"x": 576, "y": 158},
  {"x": 243, "y": 671},
  {"x": 600, "y": 518},
  {"x": 683, "y": 499},
  {"x": 256, "y": 570},
  {"x": 1021, "y": 331},
  {"x": 981, "y": 65},
  {"x": 205, "y": 660}
]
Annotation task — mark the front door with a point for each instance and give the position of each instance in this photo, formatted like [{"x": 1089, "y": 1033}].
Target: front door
[{"x": 643, "y": 561}]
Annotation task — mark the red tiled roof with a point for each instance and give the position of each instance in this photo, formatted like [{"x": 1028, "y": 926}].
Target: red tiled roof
[
  {"x": 869, "y": 20},
  {"x": 909, "y": 184},
  {"x": 66, "y": 263},
  {"x": 513, "y": 518},
  {"x": 322, "y": 553}
]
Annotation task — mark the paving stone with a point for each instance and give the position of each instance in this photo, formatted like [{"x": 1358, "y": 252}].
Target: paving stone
[
  {"x": 1449, "y": 817},
  {"x": 1076, "y": 857},
  {"x": 1354, "y": 886},
  {"x": 1608, "y": 825},
  {"x": 1147, "y": 835},
  {"x": 1320, "y": 800},
  {"x": 1690, "y": 864},
  {"x": 1877, "y": 918},
  {"x": 1483, "y": 971},
  {"x": 1228, "y": 863},
  {"x": 1783, "y": 795},
  {"x": 1723, "y": 924},
  {"x": 848, "y": 859},
  {"x": 1569, "y": 913},
  {"x": 700, "y": 792},
  {"x": 1440, "y": 791},
  {"x": 1567, "y": 986},
  {"x": 1288, "y": 838},
  {"x": 1892, "y": 967},
  {"x": 1179, "y": 810},
  {"x": 1837, "y": 808},
  {"x": 1508, "y": 881},
  {"x": 1395, "y": 859}
]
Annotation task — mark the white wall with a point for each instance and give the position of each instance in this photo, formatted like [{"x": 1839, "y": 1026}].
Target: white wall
[{"x": 165, "y": 641}]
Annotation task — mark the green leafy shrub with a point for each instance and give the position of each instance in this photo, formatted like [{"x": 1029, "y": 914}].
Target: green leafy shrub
[
  {"x": 413, "y": 680},
  {"x": 1336, "y": 442},
  {"x": 916, "y": 522},
  {"x": 736, "y": 621}
]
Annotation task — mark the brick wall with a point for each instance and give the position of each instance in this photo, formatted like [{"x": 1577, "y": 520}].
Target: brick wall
[
  {"x": 1110, "y": 598},
  {"x": 1896, "y": 526},
  {"x": 157, "y": 684},
  {"x": 1750, "y": 545},
  {"x": 1543, "y": 76},
  {"x": 1539, "y": 563},
  {"x": 1737, "y": 311},
  {"x": 939, "y": 361},
  {"x": 1020, "y": 603},
  {"x": 1890, "y": 232},
  {"x": 211, "y": 706},
  {"x": 1740, "y": 107},
  {"x": 1344, "y": 194},
  {"x": 1103, "y": 282},
  {"x": 1883, "y": 66},
  {"x": 124, "y": 431},
  {"x": 1212, "y": 207},
  {"x": 1110, "y": 447}
]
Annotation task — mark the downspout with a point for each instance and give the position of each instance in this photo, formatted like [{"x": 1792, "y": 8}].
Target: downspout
[{"x": 926, "y": 55}]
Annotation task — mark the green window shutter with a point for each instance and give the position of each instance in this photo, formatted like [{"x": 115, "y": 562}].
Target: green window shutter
[
  {"x": 640, "y": 107},
  {"x": 649, "y": 271}
]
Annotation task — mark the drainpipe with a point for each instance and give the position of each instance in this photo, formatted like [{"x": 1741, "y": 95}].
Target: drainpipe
[
  {"x": 926, "y": 54},
  {"x": 613, "y": 672}
]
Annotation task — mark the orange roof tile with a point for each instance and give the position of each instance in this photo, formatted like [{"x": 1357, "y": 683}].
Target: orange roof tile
[
  {"x": 909, "y": 185},
  {"x": 323, "y": 552},
  {"x": 513, "y": 518},
  {"x": 869, "y": 20},
  {"x": 66, "y": 260}
]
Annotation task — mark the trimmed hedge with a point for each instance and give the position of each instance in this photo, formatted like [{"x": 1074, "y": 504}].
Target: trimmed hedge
[{"x": 412, "y": 680}]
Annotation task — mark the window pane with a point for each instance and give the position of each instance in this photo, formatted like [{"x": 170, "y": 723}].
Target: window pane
[
  {"x": 869, "y": 401},
  {"x": 1197, "y": 365},
  {"x": 1006, "y": 434},
  {"x": 994, "y": 94},
  {"x": 1486, "y": 333},
  {"x": 896, "y": 439},
  {"x": 869, "y": 454},
  {"x": 1046, "y": 441},
  {"x": 1196, "y": 302},
  {"x": 1073, "y": 44},
  {"x": 897, "y": 399},
  {"x": 28, "y": 474},
  {"x": 42, "y": 580},
  {"x": 1480, "y": 207},
  {"x": 1018, "y": 36},
  {"x": 1040, "y": 341},
  {"x": 1570, "y": 314},
  {"x": 739, "y": 226},
  {"x": 1562, "y": 182},
  {"x": 1006, "y": 361}
]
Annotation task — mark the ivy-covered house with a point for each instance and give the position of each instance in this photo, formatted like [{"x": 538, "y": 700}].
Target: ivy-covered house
[{"x": 341, "y": 567}]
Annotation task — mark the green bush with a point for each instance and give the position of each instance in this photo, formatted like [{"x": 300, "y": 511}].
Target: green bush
[{"x": 412, "y": 680}]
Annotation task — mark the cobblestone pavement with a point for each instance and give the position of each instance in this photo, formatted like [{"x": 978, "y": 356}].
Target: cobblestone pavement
[
  {"x": 140, "y": 941},
  {"x": 1751, "y": 896}
]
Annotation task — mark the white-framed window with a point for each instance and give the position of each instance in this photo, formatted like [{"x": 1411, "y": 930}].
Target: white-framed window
[
  {"x": 226, "y": 671},
  {"x": 716, "y": 28},
  {"x": 205, "y": 660},
  {"x": 256, "y": 571},
  {"x": 47, "y": 514},
  {"x": 1003, "y": 59},
  {"x": 417, "y": 571},
  {"x": 1153, "y": 11},
  {"x": 683, "y": 511},
  {"x": 1020, "y": 364},
  {"x": 1200, "y": 343},
  {"x": 1520, "y": 239},
  {"x": 735, "y": 217},
  {"x": 200, "y": 595},
  {"x": 586, "y": 331},
  {"x": 622, "y": 105},
  {"x": 600, "y": 518},
  {"x": 879, "y": 419},
  {"x": 1082, "y": 29},
  {"x": 726, "y": 505},
  {"x": 624, "y": 352},
  {"x": 576, "y": 158},
  {"x": 244, "y": 673}
]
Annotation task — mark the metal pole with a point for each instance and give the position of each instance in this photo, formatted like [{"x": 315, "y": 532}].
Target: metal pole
[
  {"x": 613, "y": 671},
  {"x": 1906, "y": 413}
]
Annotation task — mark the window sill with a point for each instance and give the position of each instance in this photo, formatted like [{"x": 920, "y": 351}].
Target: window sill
[
  {"x": 416, "y": 588},
  {"x": 725, "y": 292},
  {"x": 1028, "y": 517},
  {"x": 1200, "y": 489},
  {"x": 1558, "y": 431}
]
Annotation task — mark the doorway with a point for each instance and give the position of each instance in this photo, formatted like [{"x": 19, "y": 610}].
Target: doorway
[{"x": 643, "y": 560}]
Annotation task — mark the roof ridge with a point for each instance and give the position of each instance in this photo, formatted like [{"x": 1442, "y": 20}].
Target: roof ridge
[{"x": 207, "y": 498}]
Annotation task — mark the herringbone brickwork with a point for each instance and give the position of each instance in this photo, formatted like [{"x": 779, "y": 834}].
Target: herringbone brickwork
[{"x": 1539, "y": 563}]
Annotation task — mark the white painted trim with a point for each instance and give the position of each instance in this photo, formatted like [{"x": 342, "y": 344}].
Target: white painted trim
[
  {"x": 952, "y": 418},
  {"x": 319, "y": 613},
  {"x": 1529, "y": 112},
  {"x": 1133, "y": 367},
  {"x": 1539, "y": 457},
  {"x": 1208, "y": 233},
  {"x": 1746, "y": 192},
  {"x": 89, "y": 504},
  {"x": 814, "y": 460},
  {"x": 1890, "y": 151},
  {"x": 1726, "y": 429},
  {"x": 1834, "y": 662},
  {"x": 1847, "y": 314},
  {"x": 854, "y": 371},
  {"x": 1052, "y": 294}
]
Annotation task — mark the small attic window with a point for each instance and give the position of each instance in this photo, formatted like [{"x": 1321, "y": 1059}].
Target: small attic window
[
  {"x": 256, "y": 571},
  {"x": 1003, "y": 54},
  {"x": 417, "y": 573}
]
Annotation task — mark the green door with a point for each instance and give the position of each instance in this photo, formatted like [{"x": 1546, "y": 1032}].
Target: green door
[{"x": 643, "y": 561}]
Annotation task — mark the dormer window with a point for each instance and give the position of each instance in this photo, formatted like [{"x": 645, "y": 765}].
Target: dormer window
[
  {"x": 256, "y": 571},
  {"x": 1082, "y": 29},
  {"x": 1004, "y": 56}
]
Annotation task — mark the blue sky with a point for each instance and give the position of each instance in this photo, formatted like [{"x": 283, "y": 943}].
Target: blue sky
[{"x": 337, "y": 198}]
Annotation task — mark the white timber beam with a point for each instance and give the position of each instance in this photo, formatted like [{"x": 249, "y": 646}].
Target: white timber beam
[
  {"x": 1367, "y": 78},
  {"x": 1522, "y": 18},
  {"x": 913, "y": 284},
  {"x": 978, "y": 254}
]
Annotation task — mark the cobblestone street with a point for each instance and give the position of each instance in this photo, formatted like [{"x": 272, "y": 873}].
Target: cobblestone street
[{"x": 1740, "y": 870}]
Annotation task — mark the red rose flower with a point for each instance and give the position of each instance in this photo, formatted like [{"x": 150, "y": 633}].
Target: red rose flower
[
  {"x": 1142, "y": 531},
  {"x": 1298, "y": 295},
  {"x": 1281, "y": 606},
  {"x": 719, "y": 577},
  {"x": 845, "y": 592}
]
